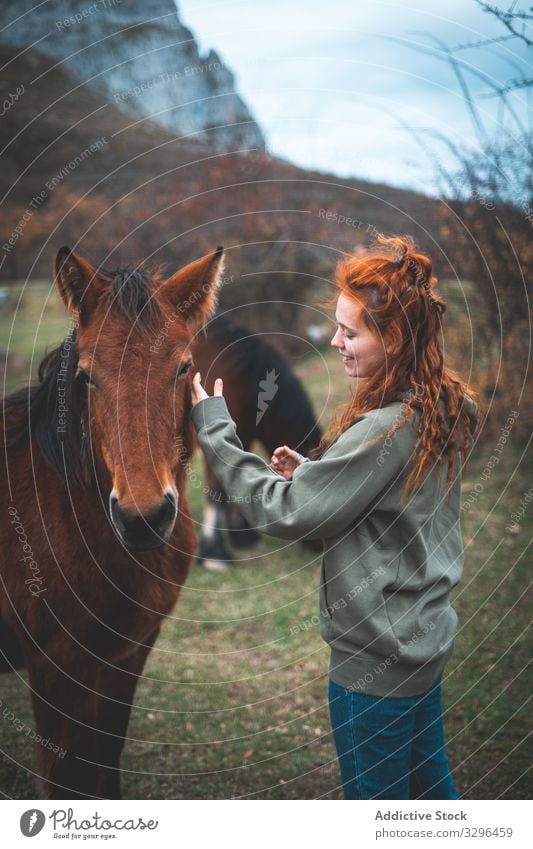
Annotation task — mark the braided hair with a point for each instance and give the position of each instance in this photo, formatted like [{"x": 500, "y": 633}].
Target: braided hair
[{"x": 419, "y": 277}]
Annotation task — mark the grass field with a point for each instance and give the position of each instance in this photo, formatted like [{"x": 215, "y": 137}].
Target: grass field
[
  {"x": 233, "y": 702},
  {"x": 32, "y": 318}
]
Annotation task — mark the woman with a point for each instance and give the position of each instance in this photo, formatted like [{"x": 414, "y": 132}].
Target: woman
[{"x": 383, "y": 493}]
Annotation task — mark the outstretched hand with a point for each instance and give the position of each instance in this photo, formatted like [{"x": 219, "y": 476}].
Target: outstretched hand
[
  {"x": 198, "y": 391},
  {"x": 285, "y": 460}
]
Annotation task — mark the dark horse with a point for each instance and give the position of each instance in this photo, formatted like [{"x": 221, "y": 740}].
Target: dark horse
[
  {"x": 96, "y": 533},
  {"x": 268, "y": 404}
]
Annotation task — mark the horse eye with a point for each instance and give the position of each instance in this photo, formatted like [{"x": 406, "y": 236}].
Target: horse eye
[
  {"x": 184, "y": 368},
  {"x": 84, "y": 377}
]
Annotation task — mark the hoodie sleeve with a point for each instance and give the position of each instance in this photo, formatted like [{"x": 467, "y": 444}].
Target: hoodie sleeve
[{"x": 325, "y": 495}]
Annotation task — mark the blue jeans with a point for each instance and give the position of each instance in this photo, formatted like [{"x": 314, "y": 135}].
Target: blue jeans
[{"x": 389, "y": 747}]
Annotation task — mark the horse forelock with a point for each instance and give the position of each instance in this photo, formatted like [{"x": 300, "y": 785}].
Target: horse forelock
[{"x": 133, "y": 294}]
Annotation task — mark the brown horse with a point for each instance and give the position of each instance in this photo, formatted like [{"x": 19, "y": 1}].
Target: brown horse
[
  {"x": 268, "y": 404},
  {"x": 96, "y": 533}
]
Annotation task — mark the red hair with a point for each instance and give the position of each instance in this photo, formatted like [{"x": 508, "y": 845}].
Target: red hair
[{"x": 395, "y": 283}]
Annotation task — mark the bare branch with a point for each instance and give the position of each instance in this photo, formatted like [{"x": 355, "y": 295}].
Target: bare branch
[
  {"x": 525, "y": 82},
  {"x": 444, "y": 53},
  {"x": 510, "y": 19}
]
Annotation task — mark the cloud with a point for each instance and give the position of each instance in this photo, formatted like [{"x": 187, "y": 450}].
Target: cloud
[{"x": 330, "y": 82}]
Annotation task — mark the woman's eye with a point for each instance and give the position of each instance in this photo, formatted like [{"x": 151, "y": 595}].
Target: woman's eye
[
  {"x": 346, "y": 335},
  {"x": 184, "y": 368}
]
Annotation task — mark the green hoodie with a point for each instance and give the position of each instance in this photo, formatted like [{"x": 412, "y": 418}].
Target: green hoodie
[{"x": 388, "y": 565}]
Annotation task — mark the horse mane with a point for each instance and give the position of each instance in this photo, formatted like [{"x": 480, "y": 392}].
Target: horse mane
[
  {"x": 34, "y": 409},
  {"x": 132, "y": 293},
  {"x": 253, "y": 357}
]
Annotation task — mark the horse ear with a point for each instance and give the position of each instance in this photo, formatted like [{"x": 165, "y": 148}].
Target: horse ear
[
  {"x": 194, "y": 289},
  {"x": 75, "y": 279}
]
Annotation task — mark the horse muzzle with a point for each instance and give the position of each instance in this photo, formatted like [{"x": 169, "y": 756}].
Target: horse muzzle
[{"x": 150, "y": 529}]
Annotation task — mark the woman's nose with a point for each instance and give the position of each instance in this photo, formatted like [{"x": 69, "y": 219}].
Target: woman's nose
[{"x": 334, "y": 342}]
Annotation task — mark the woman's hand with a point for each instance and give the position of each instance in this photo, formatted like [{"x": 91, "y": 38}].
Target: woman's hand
[
  {"x": 285, "y": 460},
  {"x": 198, "y": 391}
]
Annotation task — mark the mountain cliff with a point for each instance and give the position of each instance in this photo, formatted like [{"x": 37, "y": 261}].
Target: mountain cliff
[{"x": 141, "y": 58}]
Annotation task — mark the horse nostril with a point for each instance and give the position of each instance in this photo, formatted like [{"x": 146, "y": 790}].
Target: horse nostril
[
  {"x": 117, "y": 513},
  {"x": 171, "y": 498},
  {"x": 160, "y": 519}
]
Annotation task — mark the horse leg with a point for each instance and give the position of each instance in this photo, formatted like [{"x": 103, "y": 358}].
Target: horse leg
[
  {"x": 116, "y": 692},
  {"x": 65, "y": 714}
]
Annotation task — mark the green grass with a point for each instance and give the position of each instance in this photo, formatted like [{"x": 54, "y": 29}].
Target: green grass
[
  {"x": 32, "y": 320},
  {"x": 233, "y": 704}
]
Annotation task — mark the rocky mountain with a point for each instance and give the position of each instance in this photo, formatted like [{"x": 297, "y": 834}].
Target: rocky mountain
[
  {"x": 141, "y": 58},
  {"x": 75, "y": 170}
]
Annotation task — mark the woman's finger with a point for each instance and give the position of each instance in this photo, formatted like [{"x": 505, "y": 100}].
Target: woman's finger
[{"x": 219, "y": 387}]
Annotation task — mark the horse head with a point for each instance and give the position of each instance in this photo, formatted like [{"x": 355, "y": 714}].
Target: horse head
[{"x": 133, "y": 337}]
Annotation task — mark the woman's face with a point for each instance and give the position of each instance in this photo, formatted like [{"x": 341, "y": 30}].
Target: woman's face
[{"x": 361, "y": 351}]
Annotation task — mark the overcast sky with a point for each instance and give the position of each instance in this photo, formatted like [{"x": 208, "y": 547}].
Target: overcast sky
[{"x": 330, "y": 81}]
